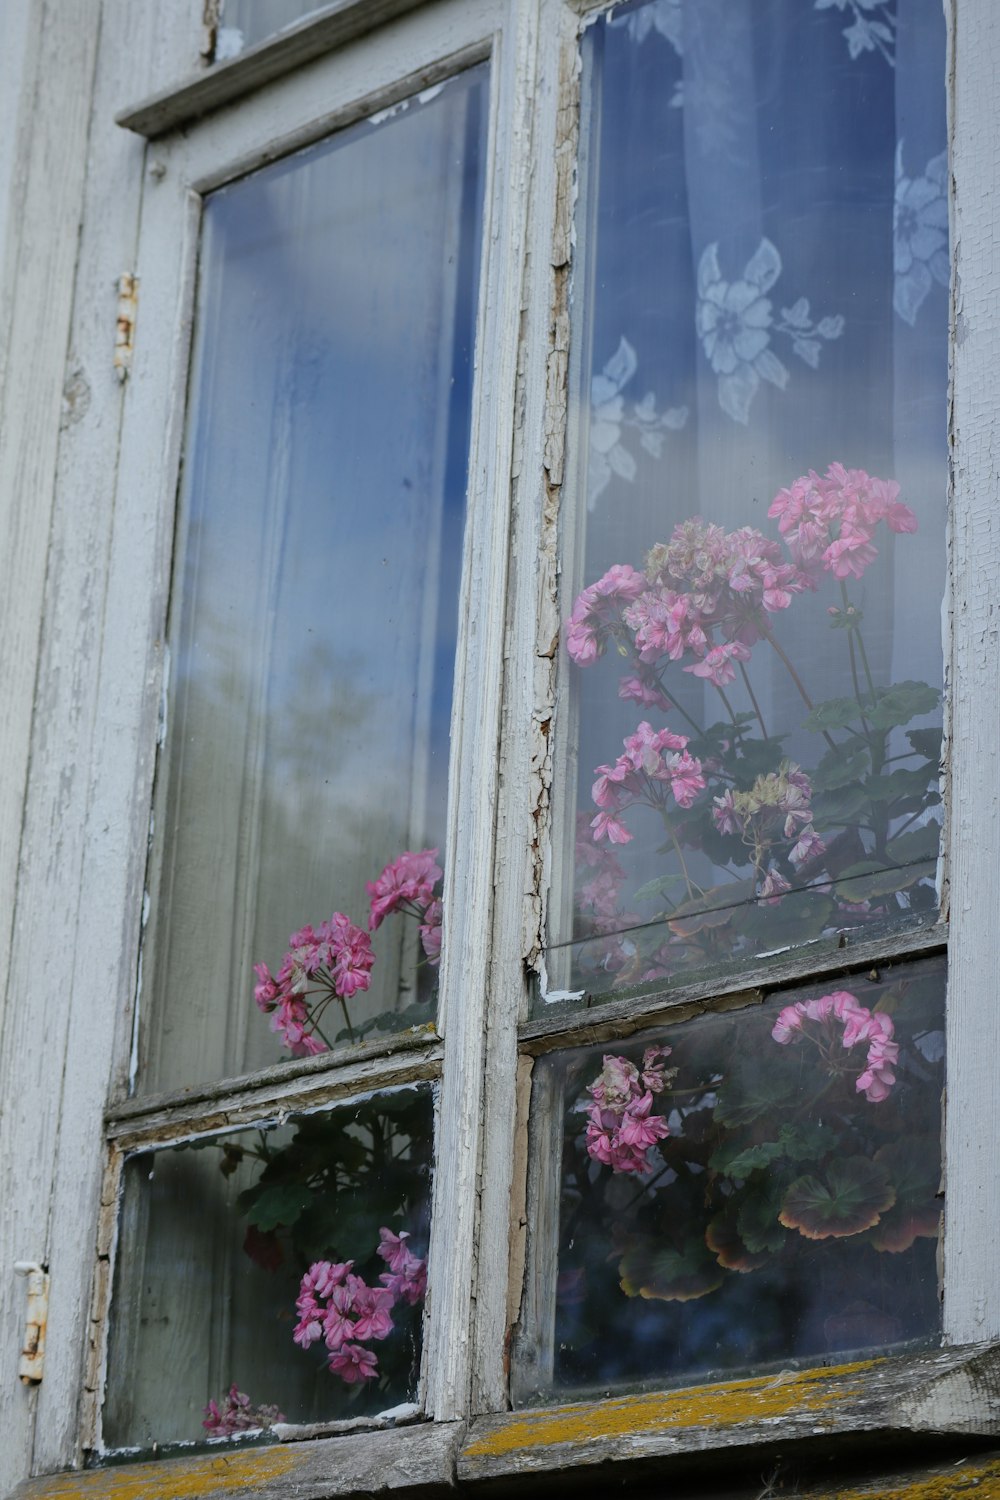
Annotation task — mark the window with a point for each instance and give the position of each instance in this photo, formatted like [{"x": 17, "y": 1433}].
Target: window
[
  {"x": 644, "y": 297},
  {"x": 747, "y": 752}
]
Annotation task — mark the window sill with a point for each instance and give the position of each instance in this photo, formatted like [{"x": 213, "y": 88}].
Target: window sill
[
  {"x": 343, "y": 21},
  {"x": 418, "y": 1458},
  {"x": 949, "y": 1391}
]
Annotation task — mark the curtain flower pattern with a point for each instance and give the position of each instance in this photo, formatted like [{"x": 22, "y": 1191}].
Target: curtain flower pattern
[
  {"x": 920, "y": 234},
  {"x": 872, "y": 27},
  {"x": 735, "y": 323}
]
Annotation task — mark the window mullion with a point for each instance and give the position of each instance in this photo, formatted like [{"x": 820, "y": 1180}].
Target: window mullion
[
  {"x": 548, "y": 47},
  {"x": 473, "y": 847}
]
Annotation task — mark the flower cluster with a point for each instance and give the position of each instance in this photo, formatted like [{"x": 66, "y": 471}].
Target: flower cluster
[
  {"x": 598, "y": 608},
  {"x": 777, "y": 806},
  {"x": 406, "y": 1277},
  {"x": 860, "y": 1025},
  {"x": 703, "y": 584},
  {"x": 237, "y": 1415},
  {"x": 654, "y": 763},
  {"x": 407, "y": 884},
  {"x": 621, "y": 1126},
  {"x": 334, "y": 961},
  {"x": 828, "y": 523},
  {"x": 347, "y": 1314}
]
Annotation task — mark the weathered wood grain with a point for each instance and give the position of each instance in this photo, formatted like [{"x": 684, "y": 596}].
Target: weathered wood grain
[
  {"x": 415, "y": 1459},
  {"x": 470, "y": 885},
  {"x": 953, "y": 1391},
  {"x": 745, "y": 985},
  {"x": 337, "y": 24}
]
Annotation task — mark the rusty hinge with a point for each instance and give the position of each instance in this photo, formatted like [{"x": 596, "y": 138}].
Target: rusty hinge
[
  {"x": 33, "y": 1350},
  {"x": 128, "y": 296}
]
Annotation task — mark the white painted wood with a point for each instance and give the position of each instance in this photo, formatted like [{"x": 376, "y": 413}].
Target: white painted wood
[
  {"x": 58, "y": 1093},
  {"x": 528, "y": 663},
  {"x": 108, "y": 692},
  {"x": 467, "y": 998},
  {"x": 364, "y": 78},
  {"x": 38, "y": 284},
  {"x": 341, "y": 22},
  {"x": 972, "y": 1212}
]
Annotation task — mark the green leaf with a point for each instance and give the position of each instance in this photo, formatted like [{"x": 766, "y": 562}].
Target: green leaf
[
  {"x": 926, "y": 742},
  {"x": 741, "y": 1102},
  {"x": 864, "y": 881},
  {"x": 658, "y": 1272},
  {"x": 914, "y": 1167},
  {"x": 794, "y": 1142},
  {"x": 901, "y": 703},
  {"x": 920, "y": 843},
  {"x": 280, "y": 1205},
  {"x": 853, "y": 1198},
  {"x": 840, "y": 767},
  {"x": 902, "y": 783},
  {"x": 757, "y": 1221},
  {"x": 657, "y": 887},
  {"x": 713, "y": 909},
  {"x": 835, "y": 713},
  {"x": 723, "y": 1239},
  {"x": 839, "y": 805}
]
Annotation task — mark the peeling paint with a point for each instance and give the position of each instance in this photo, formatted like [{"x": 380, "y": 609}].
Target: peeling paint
[{"x": 721, "y": 1405}]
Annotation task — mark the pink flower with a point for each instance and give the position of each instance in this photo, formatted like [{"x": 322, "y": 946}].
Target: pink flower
[
  {"x": 829, "y": 522},
  {"x": 773, "y": 887},
  {"x": 621, "y": 1126},
  {"x": 430, "y": 932},
  {"x": 407, "y": 1274},
  {"x": 237, "y": 1415},
  {"x": 354, "y": 1363},
  {"x": 408, "y": 879},
  {"x": 717, "y": 664},
  {"x": 595, "y": 610},
  {"x": 860, "y": 1025},
  {"x": 637, "y": 690},
  {"x": 605, "y": 826}
]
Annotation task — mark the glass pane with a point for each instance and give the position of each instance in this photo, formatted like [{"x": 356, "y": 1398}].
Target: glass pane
[
  {"x": 243, "y": 23},
  {"x": 276, "y": 1272},
  {"x": 316, "y": 588},
  {"x": 746, "y": 1189},
  {"x": 751, "y": 732}
]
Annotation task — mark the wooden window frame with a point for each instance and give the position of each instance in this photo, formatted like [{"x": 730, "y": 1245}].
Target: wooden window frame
[{"x": 503, "y": 721}]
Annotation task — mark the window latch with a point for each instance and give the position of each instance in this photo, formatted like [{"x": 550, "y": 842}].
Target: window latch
[{"x": 33, "y": 1349}]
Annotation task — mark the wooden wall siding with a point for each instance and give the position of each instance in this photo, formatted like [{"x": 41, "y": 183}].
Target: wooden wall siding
[{"x": 58, "y": 455}]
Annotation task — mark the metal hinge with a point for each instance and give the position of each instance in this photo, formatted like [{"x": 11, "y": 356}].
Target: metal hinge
[
  {"x": 128, "y": 297},
  {"x": 33, "y": 1350}
]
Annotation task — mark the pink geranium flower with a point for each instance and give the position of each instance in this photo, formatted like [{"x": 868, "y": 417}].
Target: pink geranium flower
[{"x": 408, "y": 881}]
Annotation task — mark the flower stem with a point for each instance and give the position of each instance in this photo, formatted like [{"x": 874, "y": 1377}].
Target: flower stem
[
  {"x": 753, "y": 700},
  {"x": 798, "y": 683},
  {"x": 347, "y": 1018}
]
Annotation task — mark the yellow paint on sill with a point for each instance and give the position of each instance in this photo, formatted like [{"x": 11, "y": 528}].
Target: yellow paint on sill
[
  {"x": 727, "y": 1404},
  {"x": 171, "y": 1479}
]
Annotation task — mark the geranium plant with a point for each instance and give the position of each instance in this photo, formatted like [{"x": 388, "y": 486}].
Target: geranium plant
[
  {"x": 755, "y": 845},
  {"x": 753, "y": 1186},
  {"x": 320, "y": 1207}
]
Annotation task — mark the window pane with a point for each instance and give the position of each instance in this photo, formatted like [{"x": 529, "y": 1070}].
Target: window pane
[
  {"x": 316, "y": 588},
  {"x": 747, "y": 1189},
  {"x": 751, "y": 733},
  {"x": 243, "y": 23},
  {"x": 268, "y": 1263}
]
